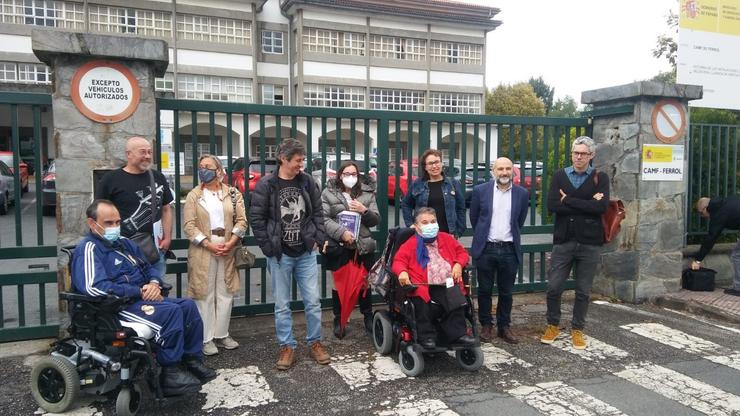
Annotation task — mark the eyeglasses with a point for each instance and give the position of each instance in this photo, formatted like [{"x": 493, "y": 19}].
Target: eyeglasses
[
  {"x": 581, "y": 154},
  {"x": 348, "y": 174},
  {"x": 434, "y": 163}
]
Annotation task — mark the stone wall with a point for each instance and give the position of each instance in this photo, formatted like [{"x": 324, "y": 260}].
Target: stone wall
[{"x": 645, "y": 259}]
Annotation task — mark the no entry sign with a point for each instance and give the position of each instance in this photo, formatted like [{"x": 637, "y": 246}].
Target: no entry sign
[
  {"x": 105, "y": 91},
  {"x": 669, "y": 121}
]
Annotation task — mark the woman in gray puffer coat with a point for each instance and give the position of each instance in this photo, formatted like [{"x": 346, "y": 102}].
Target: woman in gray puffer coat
[{"x": 354, "y": 192}]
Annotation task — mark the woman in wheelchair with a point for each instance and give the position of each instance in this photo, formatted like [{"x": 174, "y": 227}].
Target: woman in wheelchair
[{"x": 433, "y": 261}]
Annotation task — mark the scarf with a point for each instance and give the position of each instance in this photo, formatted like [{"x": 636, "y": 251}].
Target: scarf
[{"x": 422, "y": 254}]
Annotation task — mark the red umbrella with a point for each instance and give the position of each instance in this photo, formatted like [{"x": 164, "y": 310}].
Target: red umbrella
[{"x": 349, "y": 280}]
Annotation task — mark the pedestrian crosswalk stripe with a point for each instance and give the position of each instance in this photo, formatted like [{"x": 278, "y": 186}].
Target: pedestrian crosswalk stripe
[
  {"x": 683, "y": 389},
  {"x": 237, "y": 387},
  {"x": 412, "y": 406},
  {"x": 361, "y": 370},
  {"x": 496, "y": 359},
  {"x": 596, "y": 350},
  {"x": 685, "y": 342},
  {"x": 558, "y": 398}
]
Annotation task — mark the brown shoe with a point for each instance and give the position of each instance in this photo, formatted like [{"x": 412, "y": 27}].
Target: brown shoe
[
  {"x": 486, "y": 333},
  {"x": 286, "y": 358},
  {"x": 319, "y": 354},
  {"x": 508, "y": 336}
]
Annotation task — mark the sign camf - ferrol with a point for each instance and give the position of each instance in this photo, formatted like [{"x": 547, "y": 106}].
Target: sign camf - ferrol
[{"x": 105, "y": 91}]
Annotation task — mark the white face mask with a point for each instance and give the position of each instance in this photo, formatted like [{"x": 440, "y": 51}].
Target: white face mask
[{"x": 349, "y": 181}]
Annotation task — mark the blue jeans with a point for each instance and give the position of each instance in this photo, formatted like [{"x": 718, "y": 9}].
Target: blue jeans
[
  {"x": 498, "y": 264},
  {"x": 305, "y": 271}
]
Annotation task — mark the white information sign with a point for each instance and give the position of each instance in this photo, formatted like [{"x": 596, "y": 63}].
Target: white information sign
[
  {"x": 662, "y": 162},
  {"x": 105, "y": 91}
]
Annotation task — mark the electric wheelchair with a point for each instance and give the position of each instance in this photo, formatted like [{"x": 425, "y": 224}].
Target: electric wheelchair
[
  {"x": 394, "y": 328},
  {"x": 101, "y": 354}
]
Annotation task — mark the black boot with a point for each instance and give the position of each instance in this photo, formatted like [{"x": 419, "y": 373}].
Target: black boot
[
  {"x": 337, "y": 308},
  {"x": 178, "y": 382},
  {"x": 198, "y": 369}
]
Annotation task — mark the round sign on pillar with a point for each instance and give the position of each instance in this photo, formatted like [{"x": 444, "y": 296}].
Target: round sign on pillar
[
  {"x": 105, "y": 91},
  {"x": 669, "y": 121}
]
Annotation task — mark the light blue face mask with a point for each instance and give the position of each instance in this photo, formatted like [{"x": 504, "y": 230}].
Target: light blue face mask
[
  {"x": 429, "y": 230},
  {"x": 206, "y": 175},
  {"x": 110, "y": 233}
]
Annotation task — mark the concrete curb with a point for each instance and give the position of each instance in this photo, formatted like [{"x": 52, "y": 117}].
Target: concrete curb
[
  {"x": 26, "y": 348},
  {"x": 695, "y": 307}
]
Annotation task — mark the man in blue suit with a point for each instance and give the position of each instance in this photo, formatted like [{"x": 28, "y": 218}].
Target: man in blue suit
[{"x": 498, "y": 210}]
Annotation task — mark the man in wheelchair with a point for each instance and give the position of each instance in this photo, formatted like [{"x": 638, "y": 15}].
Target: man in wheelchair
[
  {"x": 106, "y": 264},
  {"x": 433, "y": 261}
]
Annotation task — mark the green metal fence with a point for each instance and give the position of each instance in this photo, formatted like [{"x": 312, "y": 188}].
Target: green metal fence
[
  {"x": 713, "y": 168},
  {"x": 23, "y": 293},
  {"x": 539, "y": 145}
]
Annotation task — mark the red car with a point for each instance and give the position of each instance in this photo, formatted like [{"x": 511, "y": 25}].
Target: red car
[
  {"x": 405, "y": 177},
  {"x": 7, "y": 157},
  {"x": 255, "y": 172}
]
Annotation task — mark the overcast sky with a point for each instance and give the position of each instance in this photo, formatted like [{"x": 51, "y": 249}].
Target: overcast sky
[{"x": 576, "y": 45}]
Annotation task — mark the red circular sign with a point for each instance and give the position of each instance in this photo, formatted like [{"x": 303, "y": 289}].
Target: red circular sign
[{"x": 105, "y": 91}]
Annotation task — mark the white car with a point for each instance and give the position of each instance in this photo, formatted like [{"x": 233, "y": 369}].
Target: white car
[{"x": 7, "y": 188}]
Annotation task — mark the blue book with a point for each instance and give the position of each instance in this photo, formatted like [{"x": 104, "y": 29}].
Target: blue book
[{"x": 351, "y": 221}]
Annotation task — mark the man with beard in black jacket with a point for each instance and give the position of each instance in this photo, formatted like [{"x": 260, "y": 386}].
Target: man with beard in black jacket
[{"x": 722, "y": 213}]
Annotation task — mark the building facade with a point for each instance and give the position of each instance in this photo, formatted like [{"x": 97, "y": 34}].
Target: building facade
[{"x": 402, "y": 55}]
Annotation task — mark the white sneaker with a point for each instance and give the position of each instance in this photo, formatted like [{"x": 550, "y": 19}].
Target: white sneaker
[
  {"x": 209, "y": 348},
  {"x": 227, "y": 343}
]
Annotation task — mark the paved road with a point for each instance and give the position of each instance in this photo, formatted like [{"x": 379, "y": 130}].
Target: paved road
[{"x": 642, "y": 360}]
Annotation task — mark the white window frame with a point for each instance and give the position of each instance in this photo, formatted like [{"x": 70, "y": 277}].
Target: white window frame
[
  {"x": 334, "y": 42},
  {"x": 399, "y": 100},
  {"x": 389, "y": 47},
  {"x": 8, "y": 72},
  {"x": 129, "y": 20},
  {"x": 213, "y": 88},
  {"x": 214, "y": 29},
  {"x": 452, "y": 102},
  {"x": 336, "y": 96},
  {"x": 166, "y": 83},
  {"x": 271, "y": 92},
  {"x": 457, "y": 53},
  {"x": 33, "y": 74},
  {"x": 272, "y": 42},
  {"x": 48, "y": 13}
]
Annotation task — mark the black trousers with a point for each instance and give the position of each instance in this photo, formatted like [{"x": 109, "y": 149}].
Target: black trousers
[{"x": 437, "y": 315}]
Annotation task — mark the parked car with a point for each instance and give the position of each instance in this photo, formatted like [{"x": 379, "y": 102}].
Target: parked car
[
  {"x": 7, "y": 157},
  {"x": 527, "y": 172},
  {"x": 255, "y": 172},
  {"x": 49, "y": 189},
  {"x": 484, "y": 174},
  {"x": 405, "y": 177},
  {"x": 7, "y": 194},
  {"x": 332, "y": 165}
]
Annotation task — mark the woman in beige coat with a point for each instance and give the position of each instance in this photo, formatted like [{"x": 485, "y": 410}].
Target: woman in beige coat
[{"x": 214, "y": 229}]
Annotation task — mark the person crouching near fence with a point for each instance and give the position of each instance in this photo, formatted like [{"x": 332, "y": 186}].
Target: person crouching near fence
[
  {"x": 349, "y": 198},
  {"x": 215, "y": 222}
]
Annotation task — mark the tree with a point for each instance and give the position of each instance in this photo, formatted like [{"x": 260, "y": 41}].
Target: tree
[
  {"x": 543, "y": 91},
  {"x": 667, "y": 45},
  {"x": 564, "y": 107},
  {"x": 514, "y": 100}
]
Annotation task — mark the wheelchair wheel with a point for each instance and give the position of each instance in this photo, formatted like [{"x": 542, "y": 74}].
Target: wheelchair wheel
[
  {"x": 411, "y": 361},
  {"x": 128, "y": 401},
  {"x": 382, "y": 333},
  {"x": 55, "y": 384},
  {"x": 470, "y": 359}
]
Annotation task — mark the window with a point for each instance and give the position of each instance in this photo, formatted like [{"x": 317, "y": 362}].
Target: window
[
  {"x": 123, "y": 20},
  {"x": 396, "y": 100},
  {"x": 451, "y": 102},
  {"x": 167, "y": 83},
  {"x": 48, "y": 13},
  {"x": 272, "y": 42},
  {"x": 25, "y": 73},
  {"x": 213, "y": 29},
  {"x": 272, "y": 94},
  {"x": 204, "y": 87},
  {"x": 398, "y": 48},
  {"x": 332, "y": 41},
  {"x": 333, "y": 96},
  {"x": 8, "y": 72},
  {"x": 457, "y": 53}
]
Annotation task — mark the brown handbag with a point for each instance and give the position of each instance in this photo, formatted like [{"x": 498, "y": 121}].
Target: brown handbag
[{"x": 612, "y": 218}]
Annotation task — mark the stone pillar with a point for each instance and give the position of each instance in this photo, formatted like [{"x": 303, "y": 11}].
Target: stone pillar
[
  {"x": 81, "y": 143},
  {"x": 645, "y": 260}
]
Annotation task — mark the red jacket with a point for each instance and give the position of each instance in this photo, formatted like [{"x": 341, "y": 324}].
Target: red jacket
[{"x": 405, "y": 261}]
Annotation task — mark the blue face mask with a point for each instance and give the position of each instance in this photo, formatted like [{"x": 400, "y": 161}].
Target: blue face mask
[
  {"x": 111, "y": 233},
  {"x": 206, "y": 175},
  {"x": 429, "y": 231}
]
